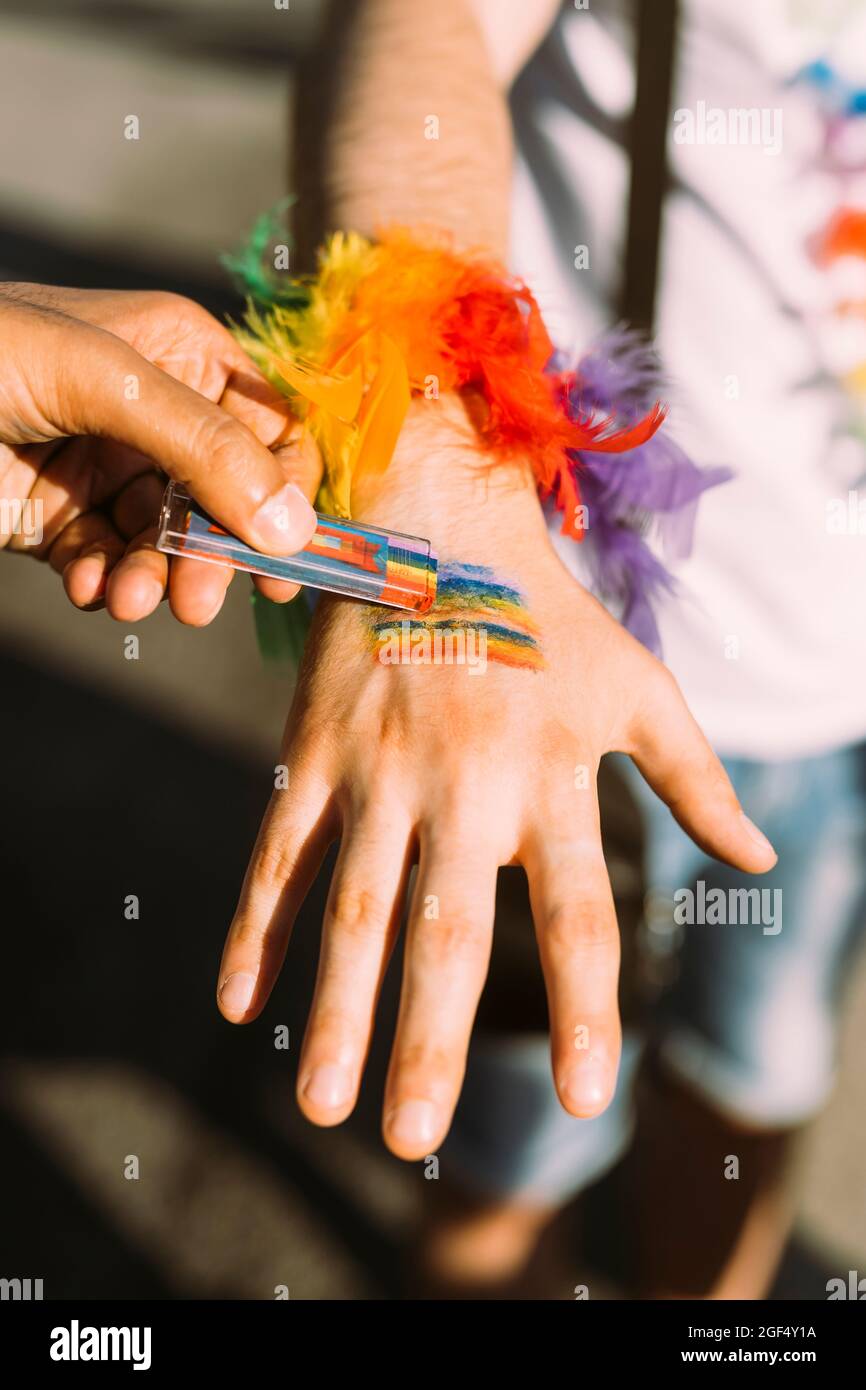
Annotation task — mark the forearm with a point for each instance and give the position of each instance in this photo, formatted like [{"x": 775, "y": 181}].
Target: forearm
[
  {"x": 363, "y": 160},
  {"x": 390, "y": 75}
]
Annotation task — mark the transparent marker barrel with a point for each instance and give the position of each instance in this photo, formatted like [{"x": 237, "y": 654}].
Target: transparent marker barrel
[{"x": 343, "y": 557}]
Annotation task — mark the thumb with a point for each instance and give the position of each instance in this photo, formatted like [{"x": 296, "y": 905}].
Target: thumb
[
  {"x": 677, "y": 761},
  {"x": 104, "y": 387},
  {"x": 300, "y": 461}
]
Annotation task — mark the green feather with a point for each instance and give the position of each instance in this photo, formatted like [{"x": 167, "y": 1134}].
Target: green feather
[
  {"x": 252, "y": 267},
  {"x": 281, "y": 629}
]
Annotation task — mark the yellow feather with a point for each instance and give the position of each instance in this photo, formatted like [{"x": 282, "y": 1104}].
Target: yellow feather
[{"x": 284, "y": 340}]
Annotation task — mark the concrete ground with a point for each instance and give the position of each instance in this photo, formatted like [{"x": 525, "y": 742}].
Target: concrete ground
[{"x": 149, "y": 776}]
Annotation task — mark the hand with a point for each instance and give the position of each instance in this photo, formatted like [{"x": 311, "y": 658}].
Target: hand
[
  {"x": 100, "y": 389},
  {"x": 461, "y": 774}
]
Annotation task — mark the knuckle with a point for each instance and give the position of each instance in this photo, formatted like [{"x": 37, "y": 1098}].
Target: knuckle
[
  {"x": 393, "y": 731},
  {"x": 359, "y": 912},
  {"x": 307, "y": 759},
  {"x": 576, "y": 856},
  {"x": 226, "y": 445},
  {"x": 665, "y": 684},
  {"x": 467, "y": 803},
  {"x": 179, "y": 306},
  {"x": 309, "y": 730},
  {"x": 427, "y": 1061},
  {"x": 586, "y": 923},
  {"x": 333, "y": 1024},
  {"x": 456, "y": 936},
  {"x": 718, "y": 784},
  {"x": 246, "y": 929},
  {"x": 655, "y": 696},
  {"x": 272, "y": 864}
]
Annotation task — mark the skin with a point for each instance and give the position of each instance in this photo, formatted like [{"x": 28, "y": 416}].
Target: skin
[
  {"x": 362, "y": 156},
  {"x": 462, "y": 774},
  {"x": 385, "y": 67},
  {"x": 73, "y": 441},
  {"x": 410, "y": 765},
  {"x": 403, "y": 765}
]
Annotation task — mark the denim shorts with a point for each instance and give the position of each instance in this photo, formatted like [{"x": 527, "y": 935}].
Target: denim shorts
[{"x": 750, "y": 1020}]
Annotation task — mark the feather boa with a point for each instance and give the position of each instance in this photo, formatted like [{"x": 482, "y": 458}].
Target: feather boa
[
  {"x": 409, "y": 314},
  {"x": 654, "y": 487}
]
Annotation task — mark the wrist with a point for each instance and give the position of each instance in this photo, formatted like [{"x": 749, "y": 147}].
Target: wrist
[{"x": 442, "y": 485}]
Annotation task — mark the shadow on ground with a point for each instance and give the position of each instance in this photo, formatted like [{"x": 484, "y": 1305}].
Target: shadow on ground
[
  {"x": 115, "y": 1049},
  {"x": 102, "y": 804}
]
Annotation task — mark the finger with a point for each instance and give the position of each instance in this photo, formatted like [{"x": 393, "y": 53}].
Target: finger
[
  {"x": 301, "y": 461},
  {"x": 277, "y": 590},
  {"x": 302, "y": 464},
  {"x": 182, "y": 338},
  {"x": 362, "y": 920},
  {"x": 97, "y": 384},
  {"x": 137, "y": 583},
  {"x": 197, "y": 591},
  {"x": 88, "y": 531},
  {"x": 78, "y": 477},
  {"x": 137, "y": 506},
  {"x": 85, "y": 554},
  {"x": 299, "y": 825},
  {"x": 675, "y": 759},
  {"x": 252, "y": 400},
  {"x": 578, "y": 941},
  {"x": 445, "y": 965},
  {"x": 85, "y": 578}
]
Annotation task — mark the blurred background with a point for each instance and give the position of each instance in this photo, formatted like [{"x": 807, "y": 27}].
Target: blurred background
[{"x": 149, "y": 777}]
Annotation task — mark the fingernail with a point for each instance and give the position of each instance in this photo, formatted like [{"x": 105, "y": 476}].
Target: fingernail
[
  {"x": 92, "y": 564},
  {"x": 236, "y": 992},
  {"x": 413, "y": 1122},
  {"x": 328, "y": 1086},
  {"x": 587, "y": 1087},
  {"x": 285, "y": 522},
  {"x": 154, "y": 594},
  {"x": 209, "y": 617},
  {"x": 99, "y": 558},
  {"x": 755, "y": 835}
]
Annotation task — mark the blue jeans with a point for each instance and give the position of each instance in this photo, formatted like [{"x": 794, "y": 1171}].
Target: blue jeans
[{"x": 751, "y": 1019}]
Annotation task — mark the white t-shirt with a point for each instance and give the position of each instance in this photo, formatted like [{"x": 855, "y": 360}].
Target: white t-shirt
[{"x": 767, "y": 636}]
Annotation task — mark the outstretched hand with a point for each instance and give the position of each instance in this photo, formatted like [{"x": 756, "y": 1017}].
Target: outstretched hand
[{"x": 461, "y": 773}]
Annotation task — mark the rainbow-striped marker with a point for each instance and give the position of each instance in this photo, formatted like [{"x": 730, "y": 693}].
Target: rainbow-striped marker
[{"x": 344, "y": 558}]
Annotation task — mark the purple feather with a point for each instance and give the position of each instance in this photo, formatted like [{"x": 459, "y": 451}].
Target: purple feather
[{"x": 654, "y": 486}]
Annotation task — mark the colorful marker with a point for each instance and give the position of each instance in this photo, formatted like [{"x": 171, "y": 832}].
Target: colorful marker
[{"x": 344, "y": 558}]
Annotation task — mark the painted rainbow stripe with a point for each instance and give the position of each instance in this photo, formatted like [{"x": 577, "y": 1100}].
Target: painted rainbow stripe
[{"x": 471, "y": 601}]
